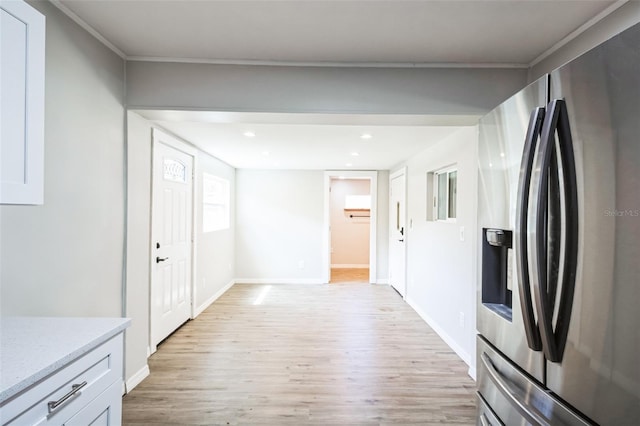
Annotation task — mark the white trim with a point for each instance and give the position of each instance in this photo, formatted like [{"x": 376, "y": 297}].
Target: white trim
[
  {"x": 331, "y": 64},
  {"x": 436, "y": 193},
  {"x": 384, "y": 281},
  {"x": 88, "y": 28},
  {"x": 472, "y": 373},
  {"x": 373, "y": 220},
  {"x": 304, "y": 281},
  {"x": 196, "y": 199},
  {"x": 349, "y": 265},
  {"x": 137, "y": 378},
  {"x": 213, "y": 298},
  {"x": 174, "y": 141},
  {"x": 581, "y": 29},
  {"x": 443, "y": 335}
]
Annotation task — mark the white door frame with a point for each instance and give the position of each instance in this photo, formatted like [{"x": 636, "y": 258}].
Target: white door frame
[
  {"x": 160, "y": 136},
  {"x": 326, "y": 252},
  {"x": 400, "y": 172}
]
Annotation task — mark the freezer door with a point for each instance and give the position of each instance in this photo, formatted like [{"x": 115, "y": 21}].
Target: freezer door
[
  {"x": 507, "y": 396},
  {"x": 599, "y": 373},
  {"x": 502, "y": 135}
]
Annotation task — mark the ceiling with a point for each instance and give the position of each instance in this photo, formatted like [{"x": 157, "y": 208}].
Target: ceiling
[
  {"x": 306, "y": 141},
  {"x": 337, "y": 31},
  {"x": 503, "y": 33}
]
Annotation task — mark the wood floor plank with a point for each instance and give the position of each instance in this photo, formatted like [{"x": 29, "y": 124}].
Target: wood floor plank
[
  {"x": 349, "y": 275},
  {"x": 339, "y": 354}
]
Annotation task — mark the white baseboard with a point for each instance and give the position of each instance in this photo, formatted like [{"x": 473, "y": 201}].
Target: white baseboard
[
  {"x": 472, "y": 373},
  {"x": 447, "y": 339},
  {"x": 382, "y": 281},
  {"x": 213, "y": 298},
  {"x": 350, "y": 265},
  {"x": 279, "y": 281},
  {"x": 137, "y": 378}
]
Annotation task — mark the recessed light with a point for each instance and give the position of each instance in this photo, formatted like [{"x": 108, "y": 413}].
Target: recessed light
[
  {"x": 249, "y": 134},
  {"x": 348, "y": 164},
  {"x": 490, "y": 164},
  {"x": 502, "y": 154},
  {"x": 366, "y": 136},
  {"x": 354, "y": 154}
]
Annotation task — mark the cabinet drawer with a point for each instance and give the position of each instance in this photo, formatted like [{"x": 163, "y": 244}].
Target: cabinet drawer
[
  {"x": 99, "y": 368},
  {"x": 105, "y": 410}
]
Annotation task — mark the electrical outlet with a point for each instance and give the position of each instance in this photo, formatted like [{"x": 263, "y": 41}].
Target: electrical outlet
[
  {"x": 462, "y": 233},
  {"x": 461, "y": 319},
  {"x": 301, "y": 264}
]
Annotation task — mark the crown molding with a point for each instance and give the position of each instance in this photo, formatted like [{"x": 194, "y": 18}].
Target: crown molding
[
  {"x": 75, "y": 18},
  {"x": 327, "y": 64},
  {"x": 574, "y": 34}
]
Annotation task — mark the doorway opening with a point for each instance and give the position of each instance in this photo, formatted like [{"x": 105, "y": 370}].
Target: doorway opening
[
  {"x": 350, "y": 226},
  {"x": 350, "y": 210}
]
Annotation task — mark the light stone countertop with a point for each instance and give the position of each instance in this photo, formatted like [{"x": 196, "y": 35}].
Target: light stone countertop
[{"x": 31, "y": 348}]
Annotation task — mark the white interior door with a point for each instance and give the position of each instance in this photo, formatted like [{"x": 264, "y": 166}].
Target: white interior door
[
  {"x": 397, "y": 231},
  {"x": 171, "y": 236}
]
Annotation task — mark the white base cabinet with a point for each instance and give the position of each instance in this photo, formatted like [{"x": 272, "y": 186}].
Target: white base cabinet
[{"x": 87, "y": 390}]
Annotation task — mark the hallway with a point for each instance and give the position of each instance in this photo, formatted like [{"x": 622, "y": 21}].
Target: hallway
[{"x": 294, "y": 354}]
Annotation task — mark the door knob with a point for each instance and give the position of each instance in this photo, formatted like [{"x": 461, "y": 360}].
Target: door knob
[{"x": 161, "y": 259}]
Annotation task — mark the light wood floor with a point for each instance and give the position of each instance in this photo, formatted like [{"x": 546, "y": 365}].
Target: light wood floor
[
  {"x": 349, "y": 275},
  {"x": 343, "y": 354}
]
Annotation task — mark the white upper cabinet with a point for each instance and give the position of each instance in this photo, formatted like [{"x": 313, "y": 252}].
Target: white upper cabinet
[{"x": 22, "y": 69}]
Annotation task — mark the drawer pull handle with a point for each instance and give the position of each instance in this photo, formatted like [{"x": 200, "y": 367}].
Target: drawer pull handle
[{"x": 75, "y": 388}]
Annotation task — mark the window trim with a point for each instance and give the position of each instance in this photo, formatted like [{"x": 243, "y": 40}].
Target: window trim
[{"x": 447, "y": 171}]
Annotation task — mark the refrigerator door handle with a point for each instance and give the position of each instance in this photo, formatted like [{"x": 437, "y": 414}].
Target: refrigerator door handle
[
  {"x": 556, "y": 121},
  {"x": 522, "y": 267},
  {"x": 517, "y": 397},
  {"x": 484, "y": 421}
]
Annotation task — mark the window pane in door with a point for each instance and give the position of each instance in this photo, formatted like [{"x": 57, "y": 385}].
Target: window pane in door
[
  {"x": 442, "y": 196},
  {"x": 453, "y": 191}
]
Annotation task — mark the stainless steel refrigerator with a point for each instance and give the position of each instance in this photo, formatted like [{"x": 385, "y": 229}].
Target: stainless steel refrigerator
[{"x": 559, "y": 255}]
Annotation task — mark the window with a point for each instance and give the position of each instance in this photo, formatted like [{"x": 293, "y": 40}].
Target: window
[
  {"x": 215, "y": 203},
  {"x": 445, "y": 190}
]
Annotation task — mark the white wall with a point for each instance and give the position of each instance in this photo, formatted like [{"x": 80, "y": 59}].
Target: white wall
[
  {"x": 138, "y": 253},
  {"x": 349, "y": 236},
  {"x": 64, "y": 258},
  {"x": 279, "y": 223},
  {"x": 441, "y": 279},
  {"x": 214, "y": 250},
  {"x": 621, "y": 19},
  {"x": 435, "y": 91}
]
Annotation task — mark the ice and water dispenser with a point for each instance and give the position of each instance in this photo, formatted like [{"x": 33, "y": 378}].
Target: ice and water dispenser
[{"x": 497, "y": 254}]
